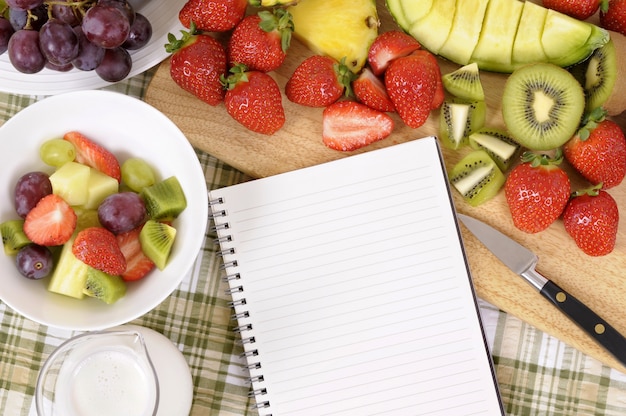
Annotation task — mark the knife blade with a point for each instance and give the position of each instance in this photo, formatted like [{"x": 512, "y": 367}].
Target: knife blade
[{"x": 522, "y": 261}]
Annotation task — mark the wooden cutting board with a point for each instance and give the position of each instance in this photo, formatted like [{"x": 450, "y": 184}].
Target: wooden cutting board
[{"x": 599, "y": 282}]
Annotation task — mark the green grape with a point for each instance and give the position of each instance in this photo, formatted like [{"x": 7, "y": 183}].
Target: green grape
[
  {"x": 137, "y": 174},
  {"x": 57, "y": 152}
]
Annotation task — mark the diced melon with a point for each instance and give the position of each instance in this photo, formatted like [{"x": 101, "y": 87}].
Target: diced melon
[
  {"x": 71, "y": 182},
  {"x": 70, "y": 274},
  {"x": 100, "y": 186}
]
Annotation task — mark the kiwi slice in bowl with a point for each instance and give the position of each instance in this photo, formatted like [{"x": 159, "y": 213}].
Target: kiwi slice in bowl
[
  {"x": 542, "y": 105},
  {"x": 106, "y": 287},
  {"x": 476, "y": 177},
  {"x": 157, "y": 239}
]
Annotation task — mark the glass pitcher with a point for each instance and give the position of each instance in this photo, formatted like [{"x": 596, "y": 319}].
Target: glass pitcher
[{"x": 99, "y": 373}]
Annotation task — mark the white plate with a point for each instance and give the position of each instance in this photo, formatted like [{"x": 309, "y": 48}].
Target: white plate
[
  {"x": 175, "y": 382},
  {"x": 127, "y": 127},
  {"x": 162, "y": 14}
]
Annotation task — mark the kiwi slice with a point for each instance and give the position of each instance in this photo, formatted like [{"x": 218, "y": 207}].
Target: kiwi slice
[
  {"x": 13, "y": 237},
  {"x": 600, "y": 75},
  {"x": 156, "y": 240},
  {"x": 476, "y": 177},
  {"x": 164, "y": 200},
  {"x": 103, "y": 286},
  {"x": 542, "y": 105},
  {"x": 465, "y": 83},
  {"x": 498, "y": 144},
  {"x": 458, "y": 119}
]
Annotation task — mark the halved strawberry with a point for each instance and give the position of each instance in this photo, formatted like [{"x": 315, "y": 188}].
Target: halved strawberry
[
  {"x": 92, "y": 154},
  {"x": 371, "y": 91},
  {"x": 98, "y": 248},
  {"x": 348, "y": 125},
  {"x": 137, "y": 263},
  {"x": 51, "y": 222},
  {"x": 389, "y": 46}
]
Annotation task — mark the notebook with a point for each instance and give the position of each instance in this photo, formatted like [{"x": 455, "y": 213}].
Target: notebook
[{"x": 351, "y": 289}]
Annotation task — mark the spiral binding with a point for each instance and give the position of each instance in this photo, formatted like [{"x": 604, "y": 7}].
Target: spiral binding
[{"x": 237, "y": 290}]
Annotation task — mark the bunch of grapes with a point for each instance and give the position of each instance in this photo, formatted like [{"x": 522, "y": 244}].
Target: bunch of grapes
[{"x": 90, "y": 35}]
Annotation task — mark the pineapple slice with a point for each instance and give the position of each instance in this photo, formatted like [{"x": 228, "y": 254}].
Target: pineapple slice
[{"x": 337, "y": 28}]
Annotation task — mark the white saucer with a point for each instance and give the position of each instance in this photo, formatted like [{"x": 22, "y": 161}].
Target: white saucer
[{"x": 175, "y": 382}]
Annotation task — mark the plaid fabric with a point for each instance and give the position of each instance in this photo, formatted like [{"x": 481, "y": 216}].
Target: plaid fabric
[{"x": 538, "y": 374}]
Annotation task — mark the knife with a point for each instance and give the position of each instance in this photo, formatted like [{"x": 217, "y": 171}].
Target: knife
[{"x": 523, "y": 261}]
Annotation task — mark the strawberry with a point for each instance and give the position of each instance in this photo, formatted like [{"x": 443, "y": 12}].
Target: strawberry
[
  {"x": 591, "y": 218},
  {"x": 98, "y": 248},
  {"x": 261, "y": 41},
  {"x": 253, "y": 99},
  {"x": 137, "y": 263},
  {"x": 537, "y": 191},
  {"x": 388, "y": 46},
  {"x": 598, "y": 150},
  {"x": 212, "y": 15},
  {"x": 578, "y": 9},
  {"x": 370, "y": 90},
  {"x": 92, "y": 154},
  {"x": 411, "y": 83},
  {"x": 348, "y": 125},
  {"x": 440, "y": 92},
  {"x": 197, "y": 62},
  {"x": 51, "y": 222},
  {"x": 614, "y": 18},
  {"x": 319, "y": 81}
]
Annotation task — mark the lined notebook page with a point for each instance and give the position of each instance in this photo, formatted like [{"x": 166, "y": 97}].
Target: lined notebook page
[{"x": 358, "y": 299}]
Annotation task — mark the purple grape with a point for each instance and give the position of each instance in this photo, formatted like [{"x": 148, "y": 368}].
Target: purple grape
[
  {"x": 140, "y": 33},
  {"x": 58, "y": 42},
  {"x": 29, "y": 189},
  {"x": 124, "y": 6},
  {"x": 59, "y": 68},
  {"x": 106, "y": 26},
  {"x": 90, "y": 55},
  {"x": 24, "y": 52},
  {"x": 65, "y": 13},
  {"x": 122, "y": 212},
  {"x": 20, "y": 20},
  {"x": 24, "y": 4},
  {"x": 115, "y": 65},
  {"x": 34, "y": 261},
  {"x": 6, "y": 30}
]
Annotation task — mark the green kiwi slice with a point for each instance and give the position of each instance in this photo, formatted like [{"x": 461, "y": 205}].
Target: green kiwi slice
[
  {"x": 458, "y": 119},
  {"x": 164, "y": 200},
  {"x": 476, "y": 177},
  {"x": 600, "y": 75},
  {"x": 465, "y": 83},
  {"x": 498, "y": 144},
  {"x": 103, "y": 286},
  {"x": 13, "y": 237},
  {"x": 156, "y": 240},
  {"x": 542, "y": 106}
]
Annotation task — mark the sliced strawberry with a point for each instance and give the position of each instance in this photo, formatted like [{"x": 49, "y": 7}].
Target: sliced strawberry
[
  {"x": 348, "y": 125},
  {"x": 92, "y": 154},
  {"x": 137, "y": 263},
  {"x": 51, "y": 222},
  {"x": 98, "y": 248},
  {"x": 389, "y": 46},
  {"x": 371, "y": 91}
]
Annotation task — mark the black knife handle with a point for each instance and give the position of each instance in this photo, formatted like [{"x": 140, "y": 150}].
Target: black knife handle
[{"x": 588, "y": 320}]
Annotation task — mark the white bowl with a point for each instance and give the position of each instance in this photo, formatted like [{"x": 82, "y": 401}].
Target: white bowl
[{"x": 127, "y": 127}]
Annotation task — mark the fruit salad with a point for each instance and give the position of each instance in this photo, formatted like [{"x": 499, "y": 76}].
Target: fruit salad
[{"x": 93, "y": 224}]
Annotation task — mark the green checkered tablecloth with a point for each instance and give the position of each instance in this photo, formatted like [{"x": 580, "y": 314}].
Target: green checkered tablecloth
[{"x": 538, "y": 375}]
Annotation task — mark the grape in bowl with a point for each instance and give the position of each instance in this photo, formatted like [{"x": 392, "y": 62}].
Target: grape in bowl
[{"x": 129, "y": 128}]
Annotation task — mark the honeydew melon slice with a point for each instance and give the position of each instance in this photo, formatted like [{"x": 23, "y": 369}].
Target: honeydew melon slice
[
  {"x": 395, "y": 9},
  {"x": 412, "y": 11},
  {"x": 465, "y": 32},
  {"x": 432, "y": 30},
  {"x": 562, "y": 33},
  {"x": 495, "y": 45},
  {"x": 527, "y": 46}
]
